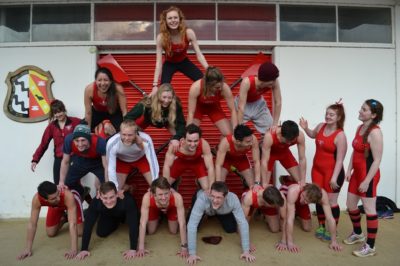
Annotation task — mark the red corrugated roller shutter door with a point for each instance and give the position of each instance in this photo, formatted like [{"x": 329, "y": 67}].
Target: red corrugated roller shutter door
[{"x": 140, "y": 69}]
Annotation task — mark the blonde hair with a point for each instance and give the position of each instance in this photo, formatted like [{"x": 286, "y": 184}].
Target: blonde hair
[
  {"x": 165, "y": 33},
  {"x": 156, "y": 108}
]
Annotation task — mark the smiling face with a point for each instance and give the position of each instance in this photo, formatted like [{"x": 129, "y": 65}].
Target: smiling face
[
  {"x": 103, "y": 82},
  {"x": 331, "y": 117},
  {"x": 192, "y": 141},
  {"x": 166, "y": 99},
  {"x": 162, "y": 196},
  {"x": 172, "y": 19},
  {"x": 82, "y": 144},
  {"x": 247, "y": 142},
  {"x": 109, "y": 199}
]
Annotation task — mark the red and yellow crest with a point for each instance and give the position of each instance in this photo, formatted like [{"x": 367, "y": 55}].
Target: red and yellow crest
[{"x": 29, "y": 94}]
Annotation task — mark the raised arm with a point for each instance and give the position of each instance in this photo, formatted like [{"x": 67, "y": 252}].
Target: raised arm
[
  {"x": 200, "y": 57},
  {"x": 277, "y": 106},
  {"x": 32, "y": 226},
  {"x": 312, "y": 133},
  {"x": 244, "y": 89}
]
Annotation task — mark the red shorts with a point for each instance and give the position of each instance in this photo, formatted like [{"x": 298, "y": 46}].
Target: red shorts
[
  {"x": 285, "y": 157},
  {"x": 171, "y": 214},
  {"x": 142, "y": 165},
  {"x": 240, "y": 162},
  {"x": 214, "y": 112},
  {"x": 180, "y": 165},
  {"x": 356, "y": 179},
  {"x": 54, "y": 214}
]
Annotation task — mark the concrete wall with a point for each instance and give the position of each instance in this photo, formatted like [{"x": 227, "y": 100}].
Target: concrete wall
[{"x": 72, "y": 69}]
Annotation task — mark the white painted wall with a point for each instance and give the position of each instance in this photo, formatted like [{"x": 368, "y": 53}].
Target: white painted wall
[
  {"x": 312, "y": 78},
  {"x": 72, "y": 69}
]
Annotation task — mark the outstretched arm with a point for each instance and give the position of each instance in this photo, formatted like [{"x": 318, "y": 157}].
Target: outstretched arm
[
  {"x": 32, "y": 225},
  {"x": 277, "y": 106},
  {"x": 157, "y": 70},
  {"x": 244, "y": 89},
  {"x": 227, "y": 93},
  {"x": 200, "y": 57},
  {"x": 72, "y": 221}
]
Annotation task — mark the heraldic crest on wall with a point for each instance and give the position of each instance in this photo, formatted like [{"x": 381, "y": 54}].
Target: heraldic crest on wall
[{"x": 29, "y": 94}]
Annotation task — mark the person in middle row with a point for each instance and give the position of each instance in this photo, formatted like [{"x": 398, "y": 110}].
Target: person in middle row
[
  {"x": 205, "y": 97},
  {"x": 194, "y": 153},
  {"x": 164, "y": 109},
  {"x": 130, "y": 149},
  {"x": 232, "y": 152}
]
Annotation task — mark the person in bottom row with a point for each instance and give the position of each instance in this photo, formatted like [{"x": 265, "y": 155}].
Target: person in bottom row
[
  {"x": 62, "y": 204},
  {"x": 226, "y": 207},
  {"x": 161, "y": 199},
  {"x": 109, "y": 211},
  {"x": 297, "y": 199}
]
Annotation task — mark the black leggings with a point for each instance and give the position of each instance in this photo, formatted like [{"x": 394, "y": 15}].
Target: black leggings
[
  {"x": 56, "y": 169},
  {"x": 186, "y": 66},
  {"x": 98, "y": 117}
]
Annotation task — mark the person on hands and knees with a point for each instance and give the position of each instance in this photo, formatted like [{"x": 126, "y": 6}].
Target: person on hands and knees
[
  {"x": 297, "y": 199},
  {"x": 64, "y": 206},
  {"x": 109, "y": 211},
  {"x": 162, "y": 200},
  {"x": 272, "y": 204},
  {"x": 226, "y": 207}
]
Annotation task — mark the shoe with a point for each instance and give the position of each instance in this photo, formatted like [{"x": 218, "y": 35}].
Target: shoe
[
  {"x": 326, "y": 236},
  {"x": 365, "y": 251},
  {"x": 388, "y": 214},
  {"x": 319, "y": 233},
  {"x": 353, "y": 238}
]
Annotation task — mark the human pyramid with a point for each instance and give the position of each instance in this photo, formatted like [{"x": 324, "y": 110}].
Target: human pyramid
[{"x": 110, "y": 143}]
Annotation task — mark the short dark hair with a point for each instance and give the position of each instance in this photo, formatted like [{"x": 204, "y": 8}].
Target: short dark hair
[
  {"x": 161, "y": 183},
  {"x": 192, "y": 129},
  {"x": 46, "y": 188},
  {"x": 273, "y": 196},
  {"x": 220, "y": 186},
  {"x": 241, "y": 131},
  {"x": 289, "y": 130},
  {"x": 107, "y": 187},
  {"x": 313, "y": 193}
]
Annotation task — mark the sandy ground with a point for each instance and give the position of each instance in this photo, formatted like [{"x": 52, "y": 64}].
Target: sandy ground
[{"x": 163, "y": 246}]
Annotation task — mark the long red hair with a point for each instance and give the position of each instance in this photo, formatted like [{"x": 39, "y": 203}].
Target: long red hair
[{"x": 165, "y": 32}]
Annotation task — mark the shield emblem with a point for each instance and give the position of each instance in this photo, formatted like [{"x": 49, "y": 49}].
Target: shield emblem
[{"x": 29, "y": 94}]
